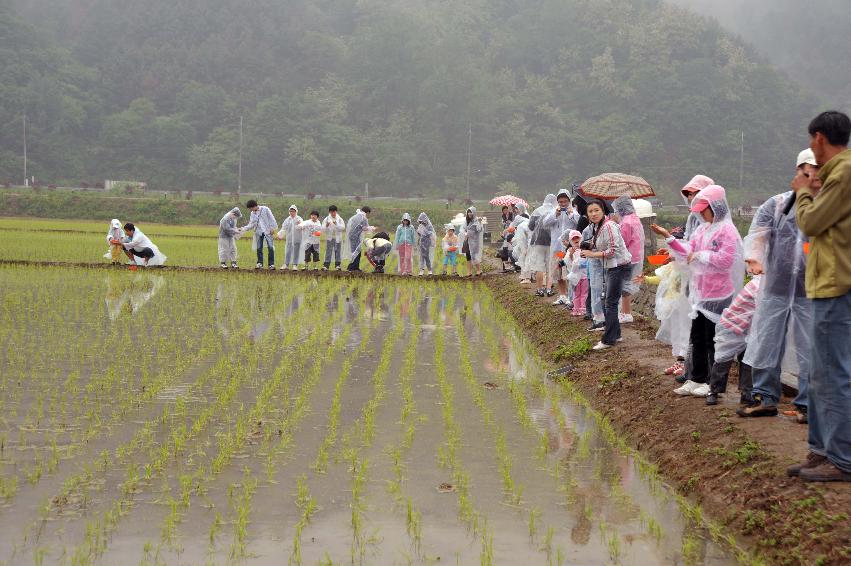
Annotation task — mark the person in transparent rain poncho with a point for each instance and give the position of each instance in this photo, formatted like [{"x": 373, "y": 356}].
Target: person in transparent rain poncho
[
  {"x": 263, "y": 222},
  {"x": 783, "y": 320},
  {"x": 520, "y": 248},
  {"x": 675, "y": 324},
  {"x": 139, "y": 247},
  {"x": 334, "y": 228},
  {"x": 577, "y": 271},
  {"x": 426, "y": 243},
  {"x": 538, "y": 256},
  {"x": 472, "y": 236},
  {"x": 356, "y": 228},
  {"x": 731, "y": 339},
  {"x": 115, "y": 233},
  {"x": 717, "y": 270},
  {"x": 228, "y": 234},
  {"x": 558, "y": 221},
  {"x": 293, "y": 250},
  {"x": 311, "y": 239},
  {"x": 403, "y": 246},
  {"x": 632, "y": 233}
]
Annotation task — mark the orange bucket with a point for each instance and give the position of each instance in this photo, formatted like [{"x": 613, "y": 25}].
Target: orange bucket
[
  {"x": 317, "y": 233},
  {"x": 659, "y": 259},
  {"x": 560, "y": 255},
  {"x": 452, "y": 249},
  {"x": 511, "y": 229},
  {"x": 806, "y": 248}
]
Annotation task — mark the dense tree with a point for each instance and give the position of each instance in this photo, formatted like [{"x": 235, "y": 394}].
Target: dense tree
[{"x": 335, "y": 94}]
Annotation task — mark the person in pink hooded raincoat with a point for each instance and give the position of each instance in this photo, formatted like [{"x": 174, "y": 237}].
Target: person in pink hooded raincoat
[{"x": 716, "y": 264}]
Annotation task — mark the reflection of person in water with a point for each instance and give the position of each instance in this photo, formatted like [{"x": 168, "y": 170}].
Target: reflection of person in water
[{"x": 130, "y": 296}]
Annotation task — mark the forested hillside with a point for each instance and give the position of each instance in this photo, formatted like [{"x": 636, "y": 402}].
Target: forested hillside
[
  {"x": 809, "y": 40},
  {"x": 336, "y": 93}
]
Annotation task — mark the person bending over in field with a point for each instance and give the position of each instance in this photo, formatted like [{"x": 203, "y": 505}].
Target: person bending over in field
[
  {"x": 377, "y": 249},
  {"x": 138, "y": 246}
]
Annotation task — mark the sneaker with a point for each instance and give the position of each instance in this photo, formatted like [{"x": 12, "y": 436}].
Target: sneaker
[
  {"x": 597, "y": 326},
  {"x": 798, "y": 413},
  {"x": 620, "y": 339},
  {"x": 600, "y": 346},
  {"x": 272, "y": 267},
  {"x": 324, "y": 268},
  {"x": 712, "y": 399},
  {"x": 569, "y": 305},
  {"x": 540, "y": 293},
  {"x": 757, "y": 409},
  {"x": 701, "y": 391},
  {"x": 429, "y": 272},
  {"x": 283, "y": 268},
  {"x": 824, "y": 472},
  {"x": 812, "y": 461},
  {"x": 562, "y": 300},
  {"x": 258, "y": 266},
  {"x": 420, "y": 274},
  {"x": 587, "y": 316},
  {"x": 234, "y": 265},
  {"x": 550, "y": 292},
  {"x": 525, "y": 282},
  {"x": 687, "y": 388},
  {"x": 626, "y": 318},
  {"x": 224, "y": 265}
]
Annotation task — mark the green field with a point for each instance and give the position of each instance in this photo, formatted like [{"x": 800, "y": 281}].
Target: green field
[{"x": 221, "y": 418}]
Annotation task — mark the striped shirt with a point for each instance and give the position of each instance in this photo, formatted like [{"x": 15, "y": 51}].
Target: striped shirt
[{"x": 739, "y": 315}]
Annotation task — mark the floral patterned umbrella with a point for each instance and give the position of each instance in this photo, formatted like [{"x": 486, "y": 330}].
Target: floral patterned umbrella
[{"x": 508, "y": 200}]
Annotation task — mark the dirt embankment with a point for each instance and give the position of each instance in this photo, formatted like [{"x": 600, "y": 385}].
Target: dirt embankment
[{"x": 734, "y": 467}]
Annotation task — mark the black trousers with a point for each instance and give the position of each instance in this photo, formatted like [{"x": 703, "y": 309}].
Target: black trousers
[
  {"x": 720, "y": 372},
  {"x": 702, "y": 341},
  {"x": 354, "y": 264},
  {"x": 146, "y": 253}
]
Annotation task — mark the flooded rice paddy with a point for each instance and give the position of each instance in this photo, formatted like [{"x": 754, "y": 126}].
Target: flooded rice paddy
[{"x": 222, "y": 418}]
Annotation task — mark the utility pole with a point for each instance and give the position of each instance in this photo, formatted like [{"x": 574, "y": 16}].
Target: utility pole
[
  {"x": 26, "y": 182},
  {"x": 366, "y": 189},
  {"x": 469, "y": 146},
  {"x": 239, "y": 179},
  {"x": 742, "y": 164}
]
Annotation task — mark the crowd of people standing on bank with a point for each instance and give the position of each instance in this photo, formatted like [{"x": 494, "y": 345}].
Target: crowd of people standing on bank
[{"x": 777, "y": 299}]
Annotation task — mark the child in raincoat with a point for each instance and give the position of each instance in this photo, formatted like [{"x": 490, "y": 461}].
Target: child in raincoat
[
  {"x": 311, "y": 234},
  {"x": 731, "y": 336},
  {"x": 577, "y": 271},
  {"x": 472, "y": 234},
  {"x": 377, "y": 249},
  {"x": 294, "y": 253},
  {"x": 404, "y": 245},
  {"x": 115, "y": 233},
  {"x": 426, "y": 240},
  {"x": 228, "y": 234},
  {"x": 450, "y": 251},
  {"x": 334, "y": 227},
  {"x": 716, "y": 263}
]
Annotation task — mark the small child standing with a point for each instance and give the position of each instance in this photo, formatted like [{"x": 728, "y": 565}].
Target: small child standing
[
  {"x": 311, "y": 234},
  {"x": 115, "y": 250},
  {"x": 450, "y": 250},
  {"x": 404, "y": 245},
  {"x": 577, "y": 275}
]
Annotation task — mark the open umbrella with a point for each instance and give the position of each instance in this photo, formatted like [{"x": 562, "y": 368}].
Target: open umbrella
[
  {"x": 612, "y": 185},
  {"x": 508, "y": 200}
]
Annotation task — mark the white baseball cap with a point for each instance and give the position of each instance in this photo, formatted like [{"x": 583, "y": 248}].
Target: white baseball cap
[{"x": 806, "y": 156}]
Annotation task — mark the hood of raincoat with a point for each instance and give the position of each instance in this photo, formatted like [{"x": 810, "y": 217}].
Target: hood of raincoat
[
  {"x": 473, "y": 210},
  {"x": 236, "y": 212},
  {"x": 697, "y": 183},
  {"x": 406, "y": 216},
  {"x": 573, "y": 234},
  {"x": 716, "y": 197},
  {"x": 623, "y": 206},
  {"x": 521, "y": 208},
  {"x": 115, "y": 223},
  {"x": 294, "y": 207}
]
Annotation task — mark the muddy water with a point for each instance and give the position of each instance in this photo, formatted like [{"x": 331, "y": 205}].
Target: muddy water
[{"x": 408, "y": 373}]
